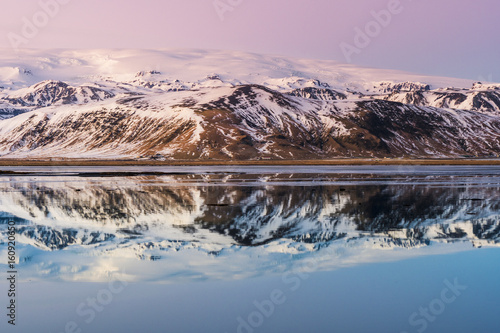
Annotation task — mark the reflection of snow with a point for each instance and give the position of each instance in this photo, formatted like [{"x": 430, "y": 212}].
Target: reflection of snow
[{"x": 211, "y": 224}]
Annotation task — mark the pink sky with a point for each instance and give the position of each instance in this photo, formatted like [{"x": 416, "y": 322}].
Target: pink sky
[{"x": 441, "y": 37}]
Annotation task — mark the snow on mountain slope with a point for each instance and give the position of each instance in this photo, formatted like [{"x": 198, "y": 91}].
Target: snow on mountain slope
[
  {"x": 47, "y": 93},
  {"x": 99, "y": 129},
  {"x": 194, "y": 104},
  {"x": 475, "y": 99}
]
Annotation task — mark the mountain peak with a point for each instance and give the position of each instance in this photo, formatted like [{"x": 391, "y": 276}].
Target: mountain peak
[{"x": 105, "y": 105}]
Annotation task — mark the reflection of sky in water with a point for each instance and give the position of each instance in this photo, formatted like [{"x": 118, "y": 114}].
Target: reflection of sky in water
[
  {"x": 332, "y": 240},
  {"x": 368, "y": 298}
]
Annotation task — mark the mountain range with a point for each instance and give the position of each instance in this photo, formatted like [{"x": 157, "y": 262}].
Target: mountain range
[{"x": 215, "y": 105}]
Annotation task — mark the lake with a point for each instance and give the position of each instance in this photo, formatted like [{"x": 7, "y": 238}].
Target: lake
[{"x": 252, "y": 249}]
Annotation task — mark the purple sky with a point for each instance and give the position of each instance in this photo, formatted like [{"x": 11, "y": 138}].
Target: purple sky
[{"x": 440, "y": 37}]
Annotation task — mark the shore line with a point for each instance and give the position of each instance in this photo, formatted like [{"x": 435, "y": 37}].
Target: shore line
[{"x": 333, "y": 162}]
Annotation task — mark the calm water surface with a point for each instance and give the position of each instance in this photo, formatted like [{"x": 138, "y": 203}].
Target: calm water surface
[{"x": 253, "y": 249}]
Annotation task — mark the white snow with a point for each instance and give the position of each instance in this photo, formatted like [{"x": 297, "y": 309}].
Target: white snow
[{"x": 81, "y": 66}]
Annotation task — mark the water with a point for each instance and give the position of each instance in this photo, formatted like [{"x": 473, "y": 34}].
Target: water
[{"x": 253, "y": 249}]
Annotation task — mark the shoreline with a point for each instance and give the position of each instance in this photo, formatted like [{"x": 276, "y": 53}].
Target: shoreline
[{"x": 332, "y": 162}]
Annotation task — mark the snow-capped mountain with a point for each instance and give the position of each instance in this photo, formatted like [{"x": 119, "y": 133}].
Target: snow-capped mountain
[
  {"x": 233, "y": 105},
  {"x": 224, "y": 222},
  {"x": 47, "y": 93}
]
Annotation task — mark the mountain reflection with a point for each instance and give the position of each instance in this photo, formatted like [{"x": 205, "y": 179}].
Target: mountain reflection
[{"x": 54, "y": 216}]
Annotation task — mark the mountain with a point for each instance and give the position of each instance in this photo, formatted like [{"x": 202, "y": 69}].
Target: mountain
[
  {"x": 49, "y": 93},
  {"x": 214, "y": 105},
  {"x": 79, "y": 211}
]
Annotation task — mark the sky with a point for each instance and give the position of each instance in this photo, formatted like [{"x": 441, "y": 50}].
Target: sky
[{"x": 454, "y": 38}]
